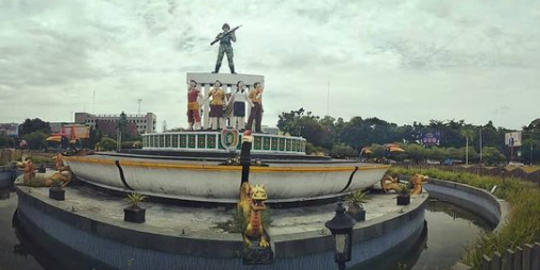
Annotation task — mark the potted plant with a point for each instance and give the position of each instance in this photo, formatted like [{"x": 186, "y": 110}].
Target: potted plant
[
  {"x": 57, "y": 191},
  {"x": 134, "y": 213},
  {"x": 404, "y": 197},
  {"x": 356, "y": 200}
]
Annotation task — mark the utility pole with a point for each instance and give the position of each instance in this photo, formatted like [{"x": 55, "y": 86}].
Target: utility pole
[
  {"x": 139, "y": 109},
  {"x": 94, "y": 101}
]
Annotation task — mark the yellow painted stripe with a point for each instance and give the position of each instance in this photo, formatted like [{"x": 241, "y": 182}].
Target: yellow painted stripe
[
  {"x": 90, "y": 160},
  {"x": 219, "y": 168}
]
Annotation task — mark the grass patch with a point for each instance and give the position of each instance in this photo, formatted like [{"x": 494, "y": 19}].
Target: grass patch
[
  {"x": 523, "y": 224},
  {"x": 39, "y": 160}
]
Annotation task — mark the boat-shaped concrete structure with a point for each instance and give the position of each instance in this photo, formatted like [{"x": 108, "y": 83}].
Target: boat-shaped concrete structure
[{"x": 208, "y": 179}]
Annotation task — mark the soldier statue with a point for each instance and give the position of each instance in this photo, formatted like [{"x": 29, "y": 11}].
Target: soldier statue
[{"x": 225, "y": 46}]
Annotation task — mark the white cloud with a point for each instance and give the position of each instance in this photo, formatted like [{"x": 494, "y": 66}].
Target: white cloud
[{"x": 402, "y": 61}]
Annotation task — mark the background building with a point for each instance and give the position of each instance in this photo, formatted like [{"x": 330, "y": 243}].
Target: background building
[
  {"x": 9, "y": 129},
  {"x": 144, "y": 123}
]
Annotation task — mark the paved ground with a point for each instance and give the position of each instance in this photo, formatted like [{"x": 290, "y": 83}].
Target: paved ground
[{"x": 191, "y": 219}]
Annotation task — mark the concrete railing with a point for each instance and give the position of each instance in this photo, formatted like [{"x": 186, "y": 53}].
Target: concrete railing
[{"x": 521, "y": 258}]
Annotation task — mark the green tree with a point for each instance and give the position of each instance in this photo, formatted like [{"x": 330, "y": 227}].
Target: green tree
[
  {"x": 416, "y": 152},
  {"x": 343, "y": 151},
  {"x": 379, "y": 151},
  {"x": 31, "y": 125},
  {"x": 36, "y": 140},
  {"x": 6, "y": 141},
  {"x": 307, "y": 125},
  {"x": 531, "y": 142},
  {"x": 95, "y": 136},
  {"x": 492, "y": 155},
  {"x": 108, "y": 144},
  {"x": 492, "y": 137},
  {"x": 122, "y": 127}
]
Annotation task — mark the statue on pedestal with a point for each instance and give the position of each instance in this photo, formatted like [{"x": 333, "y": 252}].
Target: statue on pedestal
[
  {"x": 251, "y": 206},
  {"x": 193, "y": 109},
  {"x": 255, "y": 97},
  {"x": 216, "y": 106},
  {"x": 239, "y": 99},
  {"x": 225, "y": 46}
]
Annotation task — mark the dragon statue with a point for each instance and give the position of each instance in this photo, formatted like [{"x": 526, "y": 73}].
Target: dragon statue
[
  {"x": 251, "y": 206},
  {"x": 47, "y": 179},
  {"x": 389, "y": 183}
]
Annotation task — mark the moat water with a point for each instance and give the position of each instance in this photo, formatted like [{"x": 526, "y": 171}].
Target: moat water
[{"x": 447, "y": 232}]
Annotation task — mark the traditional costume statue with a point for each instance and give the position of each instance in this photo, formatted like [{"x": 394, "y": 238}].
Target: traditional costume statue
[
  {"x": 193, "y": 110},
  {"x": 255, "y": 98},
  {"x": 239, "y": 99},
  {"x": 216, "y": 106},
  {"x": 225, "y": 47}
]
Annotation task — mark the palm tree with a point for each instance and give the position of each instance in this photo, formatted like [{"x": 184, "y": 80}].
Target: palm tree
[{"x": 468, "y": 133}]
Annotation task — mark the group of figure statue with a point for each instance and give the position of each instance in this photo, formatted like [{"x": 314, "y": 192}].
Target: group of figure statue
[{"x": 225, "y": 107}]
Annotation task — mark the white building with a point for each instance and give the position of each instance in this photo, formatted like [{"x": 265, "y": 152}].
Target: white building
[{"x": 146, "y": 123}]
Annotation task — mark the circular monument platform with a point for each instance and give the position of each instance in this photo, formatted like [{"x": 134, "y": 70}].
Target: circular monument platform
[{"x": 88, "y": 226}]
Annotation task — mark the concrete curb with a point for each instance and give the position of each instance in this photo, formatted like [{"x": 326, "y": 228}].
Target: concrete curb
[
  {"x": 476, "y": 200},
  {"x": 471, "y": 198}
]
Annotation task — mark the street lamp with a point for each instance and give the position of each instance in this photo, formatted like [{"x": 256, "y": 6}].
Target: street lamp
[{"x": 341, "y": 227}]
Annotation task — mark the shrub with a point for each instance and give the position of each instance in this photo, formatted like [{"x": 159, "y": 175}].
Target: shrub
[
  {"x": 35, "y": 140},
  {"x": 108, "y": 144},
  {"x": 342, "y": 151},
  {"x": 6, "y": 141}
]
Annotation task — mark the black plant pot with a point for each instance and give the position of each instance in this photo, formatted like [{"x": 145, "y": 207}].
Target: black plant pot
[
  {"x": 356, "y": 212},
  {"x": 134, "y": 214},
  {"x": 57, "y": 193},
  {"x": 403, "y": 199}
]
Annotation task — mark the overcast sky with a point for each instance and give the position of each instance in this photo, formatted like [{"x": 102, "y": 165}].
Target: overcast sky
[{"x": 401, "y": 61}]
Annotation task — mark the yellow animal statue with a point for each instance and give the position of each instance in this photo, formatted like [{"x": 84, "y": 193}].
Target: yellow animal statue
[
  {"x": 33, "y": 179},
  {"x": 417, "y": 181},
  {"x": 251, "y": 206},
  {"x": 389, "y": 183}
]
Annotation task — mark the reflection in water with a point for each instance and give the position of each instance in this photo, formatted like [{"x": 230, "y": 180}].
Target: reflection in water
[
  {"x": 450, "y": 229},
  {"x": 27, "y": 246},
  {"x": 13, "y": 254},
  {"x": 440, "y": 247},
  {"x": 400, "y": 257}
]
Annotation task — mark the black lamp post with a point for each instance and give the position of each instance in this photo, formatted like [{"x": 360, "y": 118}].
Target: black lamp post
[{"x": 341, "y": 227}]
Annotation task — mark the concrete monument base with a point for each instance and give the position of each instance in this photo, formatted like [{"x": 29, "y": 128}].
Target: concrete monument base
[{"x": 89, "y": 224}]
